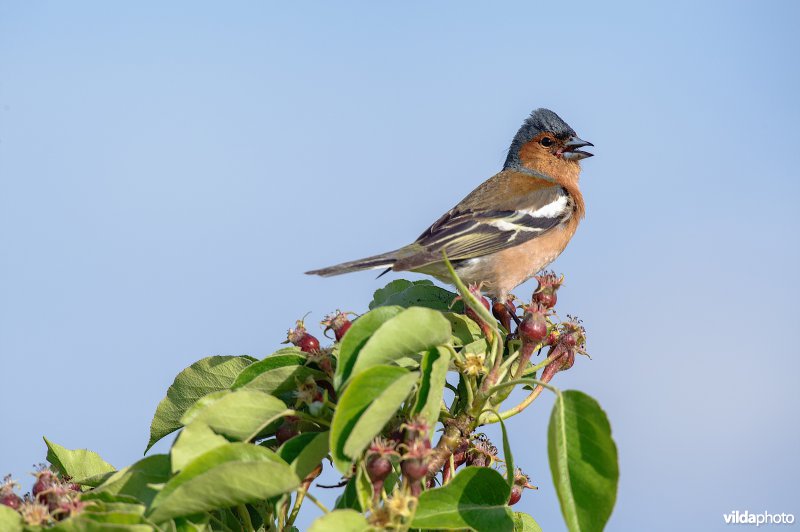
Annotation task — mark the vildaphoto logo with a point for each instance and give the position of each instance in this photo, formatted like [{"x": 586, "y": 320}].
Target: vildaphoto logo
[{"x": 764, "y": 518}]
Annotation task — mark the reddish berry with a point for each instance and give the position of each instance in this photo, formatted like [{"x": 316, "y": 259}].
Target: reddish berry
[
  {"x": 545, "y": 294},
  {"x": 414, "y": 468},
  {"x": 338, "y": 323},
  {"x": 521, "y": 481},
  {"x": 378, "y": 467},
  {"x": 7, "y": 495},
  {"x": 45, "y": 480},
  {"x": 378, "y": 464},
  {"x": 286, "y": 431},
  {"x": 414, "y": 464},
  {"x": 533, "y": 328},
  {"x": 12, "y": 500},
  {"x": 300, "y": 337}
]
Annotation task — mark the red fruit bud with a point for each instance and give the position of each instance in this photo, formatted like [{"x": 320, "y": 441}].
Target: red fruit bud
[
  {"x": 12, "y": 500},
  {"x": 414, "y": 469},
  {"x": 308, "y": 344},
  {"x": 286, "y": 431},
  {"x": 521, "y": 481},
  {"x": 44, "y": 482},
  {"x": 545, "y": 294},
  {"x": 533, "y": 328},
  {"x": 300, "y": 337},
  {"x": 378, "y": 468},
  {"x": 7, "y": 495},
  {"x": 338, "y": 323}
]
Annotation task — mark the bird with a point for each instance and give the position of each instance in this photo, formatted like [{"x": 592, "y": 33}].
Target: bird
[{"x": 510, "y": 227}]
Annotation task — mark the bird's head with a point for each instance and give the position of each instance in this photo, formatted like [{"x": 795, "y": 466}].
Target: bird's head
[{"x": 546, "y": 144}]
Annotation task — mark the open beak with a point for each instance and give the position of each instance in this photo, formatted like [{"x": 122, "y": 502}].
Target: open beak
[{"x": 571, "y": 151}]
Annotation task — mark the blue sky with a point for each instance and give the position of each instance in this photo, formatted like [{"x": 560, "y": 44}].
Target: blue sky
[{"x": 167, "y": 172}]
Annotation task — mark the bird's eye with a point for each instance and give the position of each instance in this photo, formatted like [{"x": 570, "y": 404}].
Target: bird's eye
[{"x": 546, "y": 142}]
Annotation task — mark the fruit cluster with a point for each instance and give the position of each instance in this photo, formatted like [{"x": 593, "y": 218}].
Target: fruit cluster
[{"x": 52, "y": 498}]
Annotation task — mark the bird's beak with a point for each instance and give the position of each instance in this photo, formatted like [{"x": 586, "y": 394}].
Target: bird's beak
[{"x": 571, "y": 151}]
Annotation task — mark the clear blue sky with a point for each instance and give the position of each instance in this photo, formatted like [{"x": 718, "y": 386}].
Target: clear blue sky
[{"x": 167, "y": 172}]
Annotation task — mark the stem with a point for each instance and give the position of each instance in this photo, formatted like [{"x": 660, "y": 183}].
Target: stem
[
  {"x": 455, "y": 354},
  {"x": 540, "y": 365},
  {"x": 454, "y": 433},
  {"x": 319, "y": 504},
  {"x": 245, "y": 515},
  {"x": 472, "y": 384},
  {"x": 301, "y": 495},
  {"x": 540, "y": 385}
]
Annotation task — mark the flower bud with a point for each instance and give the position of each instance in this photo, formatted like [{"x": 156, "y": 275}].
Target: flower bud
[{"x": 545, "y": 294}]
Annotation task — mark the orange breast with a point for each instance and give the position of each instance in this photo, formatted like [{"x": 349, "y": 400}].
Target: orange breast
[{"x": 513, "y": 266}]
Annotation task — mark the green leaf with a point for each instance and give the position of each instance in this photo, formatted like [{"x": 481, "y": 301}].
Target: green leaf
[
  {"x": 107, "y": 516},
  {"x": 305, "y": 452},
  {"x": 240, "y": 415},
  {"x": 277, "y": 374},
  {"x": 417, "y": 294},
  {"x": 90, "y": 523},
  {"x": 465, "y": 330},
  {"x": 195, "y": 439},
  {"x": 525, "y": 523},
  {"x": 433, "y": 368},
  {"x": 364, "y": 488},
  {"x": 203, "y": 377},
  {"x": 201, "y": 404},
  {"x": 226, "y": 476},
  {"x": 398, "y": 285},
  {"x": 357, "y": 335},
  {"x": 368, "y": 403},
  {"x": 10, "y": 520},
  {"x": 412, "y": 331},
  {"x": 77, "y": 464},
  {"x": 138, "y": 480},
  {"x": 340, "y": 521},
  {"x": 507, "y": 456},
  {"x": 475, "y": 498},
  {"x": 583, "y": 461}
]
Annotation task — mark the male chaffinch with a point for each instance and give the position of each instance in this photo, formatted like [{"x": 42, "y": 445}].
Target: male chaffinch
[{"x": 511, "y": 226}]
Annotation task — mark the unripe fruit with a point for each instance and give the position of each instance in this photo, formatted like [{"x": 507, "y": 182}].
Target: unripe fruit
[
  {"x": 308, "y": 344},
  {"x": 516, "y": 495},
  {"x": 300, "y": 337},
  {"x": 378, "y": 468},
  {"x": 545, "y": 294},
  {"x": 286, "y": 432},
  {"x": 547, "y": 298},
  {"x": 12, "y": 500},
  {"x": 533, "y": 328},
  {"x": 44, "y": 482},
  {"x": 338, "y": 323},
  {"x": 414, "y": 468}
]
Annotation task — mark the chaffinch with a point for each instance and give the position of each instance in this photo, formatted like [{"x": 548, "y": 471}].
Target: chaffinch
[{"x": 511, "y": 226}]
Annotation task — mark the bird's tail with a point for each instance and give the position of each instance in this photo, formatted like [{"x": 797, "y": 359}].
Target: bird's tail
[{"x": 384, "y": 260}]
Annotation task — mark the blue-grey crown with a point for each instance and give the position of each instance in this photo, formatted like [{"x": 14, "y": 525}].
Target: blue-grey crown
[{"x": 540, "y": 120}]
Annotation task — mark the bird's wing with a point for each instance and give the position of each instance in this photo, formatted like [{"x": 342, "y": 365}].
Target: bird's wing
[{"x": 468, "y": 233}]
